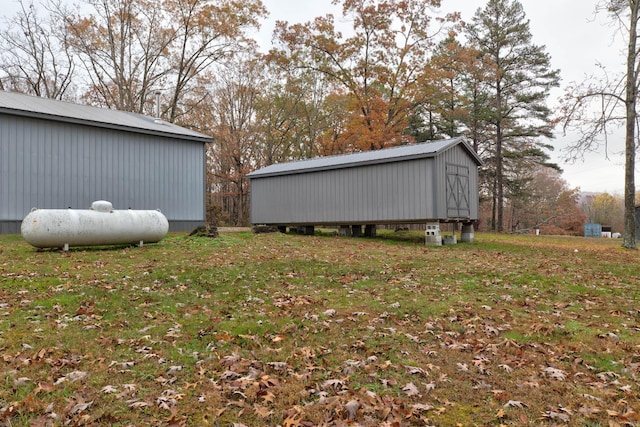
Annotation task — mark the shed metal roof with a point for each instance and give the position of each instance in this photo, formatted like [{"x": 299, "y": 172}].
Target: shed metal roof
[
  {"x": 394, "y": 154},
  {"x": 51, "y": 109}
]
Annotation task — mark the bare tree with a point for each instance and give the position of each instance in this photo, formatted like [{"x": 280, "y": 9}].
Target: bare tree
[
  {"x": 236, "y": 90},
  {"x": 34, "y": 53},
  {"x": 131, "y": 48},
  {"x": 616, "y": 99},
  {"x": 205, "y": 33},
  {"x": 122, "y": 45},
  {"x": 548, "y": 204}
]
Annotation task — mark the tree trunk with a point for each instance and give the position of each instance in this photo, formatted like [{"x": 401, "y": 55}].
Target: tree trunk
[
  {"x": 494, "y": 204},
  {"x": 629, "y": 237},
  {"x": 499, "y": 162},
  {"x": 499, "y": 183}
]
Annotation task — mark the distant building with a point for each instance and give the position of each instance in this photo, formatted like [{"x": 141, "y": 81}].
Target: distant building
[
  {"x": 418, "y": 183},
  {"x": 593, "y": 230},
  {"x": 56, "y": 154}
]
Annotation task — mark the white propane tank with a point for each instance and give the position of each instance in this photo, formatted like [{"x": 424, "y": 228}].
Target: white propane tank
[{"x": 99, "y": 225}]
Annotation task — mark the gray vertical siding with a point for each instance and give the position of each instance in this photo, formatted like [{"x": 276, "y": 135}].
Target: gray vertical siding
[
  {"x": 398, "y": 191},
  {"x": 406, "y": 191},
  {"x": 49, "y": 164}
]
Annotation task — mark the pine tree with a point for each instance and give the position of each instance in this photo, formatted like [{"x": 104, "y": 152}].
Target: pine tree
[{"x": 519, "y": 88}]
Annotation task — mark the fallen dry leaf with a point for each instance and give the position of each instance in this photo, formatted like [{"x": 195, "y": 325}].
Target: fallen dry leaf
[
  {"x": 352, "y": 407},
  {"x": 80, "y": 407},
  {"x": 108, "y": 389},
  {"x": 421, "y": 407},
  {"x": 410, "y": 390},
  {"x": 554, "y": 373},
  {"x": 515, "y": 403},
  {"x": 552, "y": 415}
]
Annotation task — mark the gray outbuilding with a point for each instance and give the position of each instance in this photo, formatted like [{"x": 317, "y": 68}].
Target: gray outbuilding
[
  {"x": 418, "y": 183},
  {"x": 58, "y": 155}
]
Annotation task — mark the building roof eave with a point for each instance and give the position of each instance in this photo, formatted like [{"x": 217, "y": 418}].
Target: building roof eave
[
  {"x": 394, "y": 154},
  {"x": 49, "y": 109}
]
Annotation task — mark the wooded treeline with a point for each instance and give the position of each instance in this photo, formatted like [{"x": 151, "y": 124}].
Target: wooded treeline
[{"x": 384, "y": 73}]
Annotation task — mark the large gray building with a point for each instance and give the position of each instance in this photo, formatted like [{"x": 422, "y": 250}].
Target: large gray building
[
  {"x": 434, "y": 181},
  {"x": 56, "y": 155}
]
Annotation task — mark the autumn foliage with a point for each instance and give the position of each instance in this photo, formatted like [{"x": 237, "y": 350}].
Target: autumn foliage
[
  {"x": 375, "y": 68},
  {"x": 375, "y": 74}
]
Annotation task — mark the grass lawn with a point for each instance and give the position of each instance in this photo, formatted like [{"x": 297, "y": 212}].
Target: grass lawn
[{"x": 289, "y": 330}]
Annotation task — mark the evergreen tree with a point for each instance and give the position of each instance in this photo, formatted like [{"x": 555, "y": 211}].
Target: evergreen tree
[
  {"x": 443, "y": 102},
  {"x": 519, "y": 87}
]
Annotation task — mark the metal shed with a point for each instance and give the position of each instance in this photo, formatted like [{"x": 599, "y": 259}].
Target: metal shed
[
  {"x": 593, "y": 230},
  {"x": 426, "y": 182},
  {"x": 57, "y": 155}
]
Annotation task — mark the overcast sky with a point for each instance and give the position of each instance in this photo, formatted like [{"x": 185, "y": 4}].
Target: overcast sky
[
  {"x": 576, "y": 41},
  {"x": 573, "y": 36}
]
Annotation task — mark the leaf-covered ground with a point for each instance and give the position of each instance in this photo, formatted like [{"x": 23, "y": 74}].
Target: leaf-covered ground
[{"x": 290, "y": 330}]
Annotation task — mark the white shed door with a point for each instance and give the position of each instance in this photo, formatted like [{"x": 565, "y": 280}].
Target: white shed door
[{"x": 458, "y": 191}]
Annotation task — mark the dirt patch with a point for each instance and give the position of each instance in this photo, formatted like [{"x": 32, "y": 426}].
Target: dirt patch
[{"x": 233, "y": 229}]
